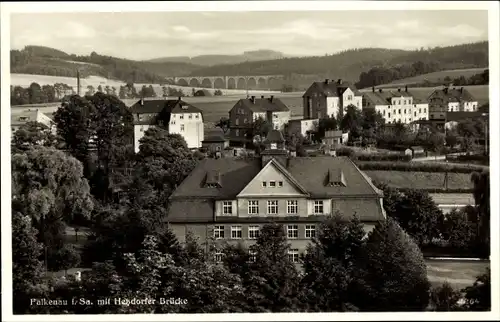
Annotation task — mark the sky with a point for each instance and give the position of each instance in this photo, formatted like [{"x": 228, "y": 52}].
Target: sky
[{"x": 147, "y": 35}]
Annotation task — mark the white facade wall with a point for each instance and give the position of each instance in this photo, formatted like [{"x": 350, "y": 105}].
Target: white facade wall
[
  {"x": 190, "y": 126},
  {"x": 470, "y": 106},
  {"x": 350, "y": 99},
  {"x": 404, "y": 113},
  {"x": 332, "y": 106},
  {"x": 453, "y": 107}
]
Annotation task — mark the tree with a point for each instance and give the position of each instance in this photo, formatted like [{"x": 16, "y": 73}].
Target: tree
[
  {"x": 32, "y": 134},
  {"x": 259, "y": 127},
  {"x": 217, "y": 92},
  {"x": 49, "y": 92},
  {"x": 19, "y": 96},
  {"x": 392, "y": 272},
  {"x": 481, "y": 194},
  {"x": 47, "y": 186},
  {"x": 26, "y": 267},
  {"x": 329, "y": 265},
  {"x": 458, "y": 231},
  {"x": 122, "y": 94},
  {"x": 324, "y": 124},
  {"x": 36, "y": 94},
  {"x": 275, "y": 284},
  {"x": 90, "y": 90},
  {"x": 99, "y": 89},
  {"x": 113, "y": 91},
  {"x": 415, "y": 211},
  {"x": 352, "y": 121},
  {"x": 445, "y": 298},
  {"x": 478, "y": 296},
  {"x": 223, "y": 123},
  {"x": 66, "y": 258}
]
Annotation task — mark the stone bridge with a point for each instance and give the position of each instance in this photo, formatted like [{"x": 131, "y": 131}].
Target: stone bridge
[{"x": 231, "y": 82}]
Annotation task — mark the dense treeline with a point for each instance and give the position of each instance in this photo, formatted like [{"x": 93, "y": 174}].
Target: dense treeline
[
  {"x": 48, "y": 61},
  {"x": 36, "y": 94},
  {"x": 351, "y": 63}
]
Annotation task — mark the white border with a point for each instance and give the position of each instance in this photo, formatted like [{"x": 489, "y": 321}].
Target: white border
[{"x": 38, "y": 7}]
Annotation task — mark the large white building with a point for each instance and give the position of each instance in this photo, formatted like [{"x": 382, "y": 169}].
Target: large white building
[
  {"x": 329, "y": 98},
  {"x": 175, "y": 115},
  {"x": 396, "y": 105}
]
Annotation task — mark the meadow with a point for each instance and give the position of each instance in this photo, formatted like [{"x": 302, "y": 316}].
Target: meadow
[
  {"x": 421, "y": 180},
  {"x": 436, "y": 76}
]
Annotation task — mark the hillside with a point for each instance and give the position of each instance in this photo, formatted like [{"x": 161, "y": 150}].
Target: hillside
[
  {"x": 210, "y": 60},
  {"x": 441, "y": 77},
  {"x": 40, "y": 60}
]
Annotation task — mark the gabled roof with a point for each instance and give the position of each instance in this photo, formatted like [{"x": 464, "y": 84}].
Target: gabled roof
[
  {"x": 332, "y": 89},
  {"x": 260, "y": 105},
  {"x": 453, "y": 94},
  {"x": 384, "y": 97}
]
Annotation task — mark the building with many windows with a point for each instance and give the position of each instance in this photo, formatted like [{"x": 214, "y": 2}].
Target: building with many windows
[
  {"x": 329, "y": 98},
  {"x": 231, "y": 199},
  {"x": 175, "y": 115},
  {"x": 246, "y": 111},
  {"x": 448, "y": 99},
  {"x": 396, "y": 106}
]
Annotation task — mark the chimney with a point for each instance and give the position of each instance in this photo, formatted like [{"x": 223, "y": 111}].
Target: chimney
[
  {"x": 179, "y": 98},
  {"x": 406, "y": 88},
  {"x": 271, "y": 98},
  {"x": 78, "y": 82},
  {"x": 380, "y": 90},
  {"x": 461, "y": 89},
  {"x": 142, "y": 101},
  {"x": 326, "y": 81},
  {"x": 445, "y": 90},
  {"x": 253, "y": 99},
  {"x": 373, "y": 89},
  {"x": 262, "y": 97},
  {"x": 269, "y": 117},
  {"x": 399, "y": 89},
  {"x": 339, "y": 81}
]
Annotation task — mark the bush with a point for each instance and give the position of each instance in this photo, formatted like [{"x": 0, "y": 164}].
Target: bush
[
  {"x": 418, "y": 167},
  {"x": 345, "y": 152},
  {"x": 384, "y": 157},
  {"x": 217, "y": 92},
  {"x": 444, "y": 298},
  {"x": 464, "y": 158}
]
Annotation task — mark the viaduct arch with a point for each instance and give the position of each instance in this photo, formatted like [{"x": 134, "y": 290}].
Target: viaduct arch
[{"x": 231, "y": 82}]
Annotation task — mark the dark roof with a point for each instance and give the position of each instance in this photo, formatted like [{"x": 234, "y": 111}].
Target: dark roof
[
  {"x": 159, "y": 105},
  {"x": 274, "y": 136},
  {"x": 453, "y": 94},
  {"x": 458, "y": 116},
  {"x": 192, "y": 201},
  {"x": 333, "y": 88},
  {"x": 263, "y": 105},
  {"x": 384, "y": 97},
  {"x": 215, "y": 138}
]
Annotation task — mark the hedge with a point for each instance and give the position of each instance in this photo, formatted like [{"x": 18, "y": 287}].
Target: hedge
[
  {"x": 474, "y": 157},
  {"x": 384, "y": 157},
  {"x": 441, "y": 190},
  {"x": 418, "y": 167}
]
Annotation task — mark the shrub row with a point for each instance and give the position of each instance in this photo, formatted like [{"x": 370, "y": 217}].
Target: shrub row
[
  {"x": 418, "y": 167},
  {"x": 441, "y": 190},
  {"x": 448, "y": 251},
  {"x": 474, "y": 157},
  {"x": 372, "y": 156}
]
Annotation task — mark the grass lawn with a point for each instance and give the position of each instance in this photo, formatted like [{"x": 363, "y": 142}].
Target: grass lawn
[
  {"x": 420, "y": 180},
  {"x": 459, "y": 274}
]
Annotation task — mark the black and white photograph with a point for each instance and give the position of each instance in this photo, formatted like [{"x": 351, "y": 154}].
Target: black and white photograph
[{"x": 250, "y": 160}]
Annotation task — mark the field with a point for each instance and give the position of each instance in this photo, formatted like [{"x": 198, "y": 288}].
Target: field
[
  {"x": 421, "y": 180},
  {"x": 436, "y": 76},
  {"x": 459, "y": 274}
]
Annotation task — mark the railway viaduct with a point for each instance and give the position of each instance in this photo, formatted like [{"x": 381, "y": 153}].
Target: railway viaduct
[{"x": 231, "y": 82}]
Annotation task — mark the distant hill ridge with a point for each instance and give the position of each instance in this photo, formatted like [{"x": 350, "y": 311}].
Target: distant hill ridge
[{"x": 298, "y": 71}]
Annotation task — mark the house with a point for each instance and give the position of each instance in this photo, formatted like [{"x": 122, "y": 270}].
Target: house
[
  {"x": 19, "y": 118},
  {"x": 303, "y": 126},
  {"x": 329, "y": 98},
  {"x": 175, "y": 115},
  {"x": 215, "y": 143},
  {"x": 332, "y": 139},
  {"x": 231, "y": 199},
  {"x": 448, "y": 99},
  {"x": 246, "y": 111},
  {"x": 396, "y": 105}
]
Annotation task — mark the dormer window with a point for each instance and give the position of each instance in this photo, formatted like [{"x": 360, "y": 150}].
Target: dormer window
[
  {"x": 272, "y": 184},
  {"x": 336, "y": 178},
  {"x": 213, "y": 179}
]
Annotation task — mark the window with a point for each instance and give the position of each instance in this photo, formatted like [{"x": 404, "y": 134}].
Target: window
[
  {"x": 280, "y": 183},
  {"x": 197, "y": 116},
  {"x": 253, "y": 207},
  {"x": 293, "y": 255},
  {"x": 245, "y": 121},
  {"x": 419, "y": 110},
  {"x": 141, "y": 129},
  {"x": 272, "y": 184},
  {"x": 425, "y": 110},
  {"x": 237, "y": 131},
  {"x": 236, "y": 232},
  {"x": 252, "y": 256},
  {"x": 310, "y": 231},
  {"x": 389, "y": 114},
  {"x": 237, "y": 122},
  {"x": 173, "y": 122},
  {"x": 414, "y": 113},
  {"x": 253, "y": 232},
  {"x": 291, "y": 207},
  {"x": 219, "y": 232},
  {"x": 405, "y": 111},
  {"x": 274, "y": 146},
  {"x": 399, "y": 111},
  {"x": 318, "y": 206},
  {"x": 227, "y": 207},
  {"x": 272, "y": 207},
  {"x": 190, "y": 116},
  {"x": 182, "y": 127},
  {"x": 181, "y": 117},
  {"x": 264, "y": 184},
  {"x": 383, "y": 112},
  {"x": 275, "y": 116},
  {"x": 292, "y": 231},
  {"x": 218, "y": 257}
]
